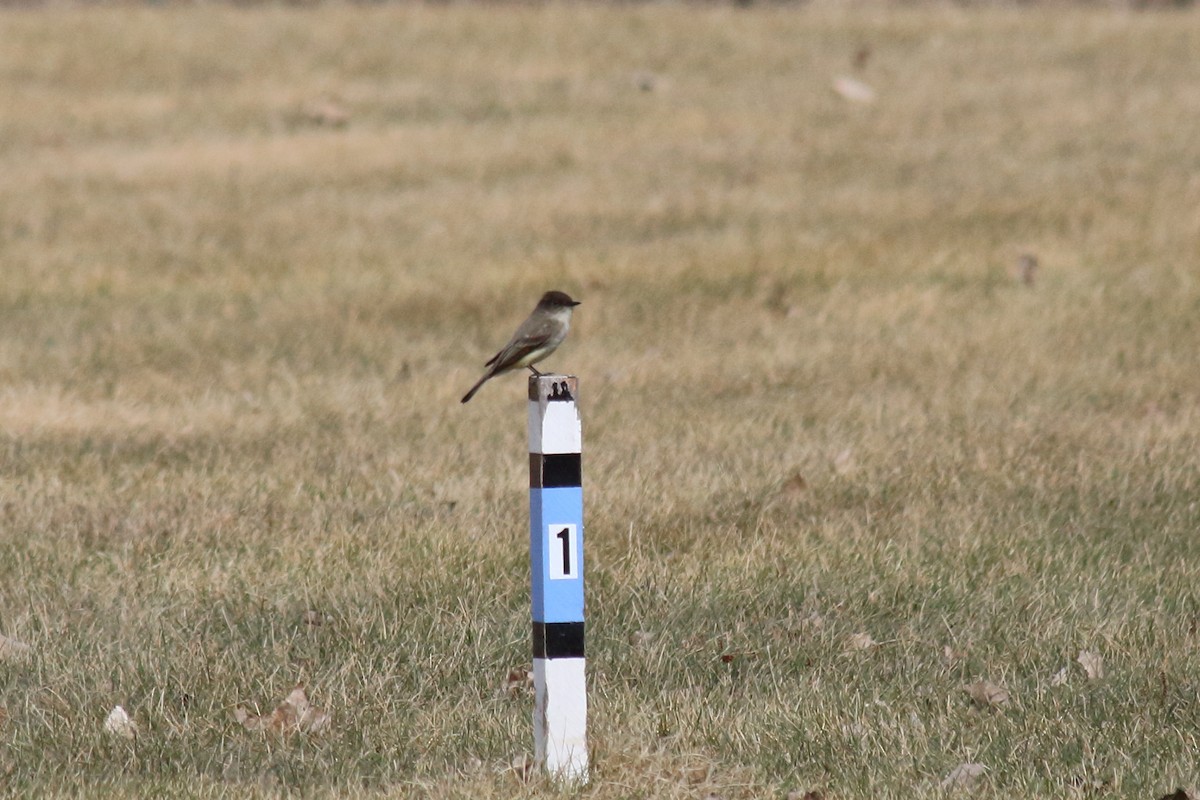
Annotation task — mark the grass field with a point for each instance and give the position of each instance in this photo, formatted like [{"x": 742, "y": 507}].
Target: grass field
[{"x": 840, "y": 464}]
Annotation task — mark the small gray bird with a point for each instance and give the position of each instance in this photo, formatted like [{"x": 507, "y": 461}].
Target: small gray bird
[{"x": 539, "y": 336}]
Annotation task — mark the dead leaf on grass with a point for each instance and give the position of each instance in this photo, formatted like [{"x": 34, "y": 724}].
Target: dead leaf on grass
[
  {"x": 1026, "y": 268},
  {"x": 327, "y": 111},
  {"x": 12, "y": 650},
  {"x": 695, "y": 774},
  {"x": 1059, "y": 678},
  {"x": 795, "y": 485},
  {"x": 964, "y": 775},
  {"x": 861, "y": 56},
  {"x": 640, "y": 638},
  {"x": 648, "y": 81},
  {"x": 951, "y": 655},
  {"x": 843, "y": 462},
  {"x": 1086, "y": 787},
  {"x": 522, "y": 767},
  {"x": 1092, "y": 663},
  {"x": 987, "y": 694},
  {"x": 860, "y": 641},
  {"x": 519, "y": 680},
  {"x": 853, "y": 90},
  {"x": 294, "y": 715},
  {"x": 813, "y": 794},
  {"x": 118, "y": 723}
]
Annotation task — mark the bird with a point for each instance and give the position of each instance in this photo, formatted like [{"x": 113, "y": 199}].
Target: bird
[{"x": 539, "y": 336}]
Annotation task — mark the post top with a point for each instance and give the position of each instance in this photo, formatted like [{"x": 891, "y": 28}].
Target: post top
[{"x": 549, "y": 388}]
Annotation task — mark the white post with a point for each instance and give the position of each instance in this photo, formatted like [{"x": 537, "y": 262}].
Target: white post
[{"x": 556, "y": 561}]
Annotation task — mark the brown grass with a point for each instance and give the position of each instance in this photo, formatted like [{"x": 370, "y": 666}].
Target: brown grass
[{"x": 234, "y": 328}]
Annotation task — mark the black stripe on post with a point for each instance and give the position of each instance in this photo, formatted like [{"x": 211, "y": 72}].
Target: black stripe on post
[
  {"x": 558, "y": 640},
  {"x": 554, "y": 471}
]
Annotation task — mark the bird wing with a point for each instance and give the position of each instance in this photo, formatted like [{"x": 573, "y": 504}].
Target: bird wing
[
  {"x": 532, "y": 335},
  {"x": 515, "y": 350}
]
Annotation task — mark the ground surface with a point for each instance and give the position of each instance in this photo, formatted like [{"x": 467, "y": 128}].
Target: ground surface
[{"x": 839, "y": 462}]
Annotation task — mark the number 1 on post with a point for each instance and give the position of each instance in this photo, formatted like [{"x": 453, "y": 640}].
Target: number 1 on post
[{"x": 563, "y": 562}]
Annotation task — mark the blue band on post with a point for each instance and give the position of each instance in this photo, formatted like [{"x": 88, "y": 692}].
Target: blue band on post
[{"x": 556, "y": 548}]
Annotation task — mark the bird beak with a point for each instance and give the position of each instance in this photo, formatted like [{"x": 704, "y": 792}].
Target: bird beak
[{"x": 576, "y": 302}]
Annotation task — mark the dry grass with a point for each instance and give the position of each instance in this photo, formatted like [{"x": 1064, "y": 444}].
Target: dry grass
[{"x": 234, "y": 327}]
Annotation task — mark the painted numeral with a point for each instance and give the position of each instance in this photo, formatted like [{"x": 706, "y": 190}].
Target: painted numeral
[{"x": 564, "y": 552}]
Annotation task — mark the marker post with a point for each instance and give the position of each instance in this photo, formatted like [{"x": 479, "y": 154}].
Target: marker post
[{"x": 556, "y": 561}]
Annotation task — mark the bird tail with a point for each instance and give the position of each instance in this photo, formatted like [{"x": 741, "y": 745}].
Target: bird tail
[{"x": 475, "y": 388}]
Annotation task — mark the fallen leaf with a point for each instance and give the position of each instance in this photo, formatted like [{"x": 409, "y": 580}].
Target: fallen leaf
[
  {"x": 640, "y": 638},
  {"x": 1026, "y": 268},
  {"x": 987, "y": 694},
  {"x": 695, "y": 774},
  {"x": 860, "y": 641},
  {"x": 1059, "y": 678},
  {"x": 853, "y": 90},
  {"x": 519, "y": 680},
  {"x": 521, "y": 766},
  {"x": 12, "y": 650},
  {"x": 1087, "y": 786},
  {"x": 118, "y": 723},
  {"x": 646, "y": 81},
  {"x": 963, "y": 775},
  {"x": 775, "y": 299},
  {"x": 809, "y": 795},
  {"x": 862, "y": 56},
  {"x": 326, "y": 111},
  {"x": 843, "y": 462},
  {"x": 294, "y": 715},
  {"x": 1092, "y": 663},
  {"x": 951, "y": 655},
  {"x": 795, "y": 485}
]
